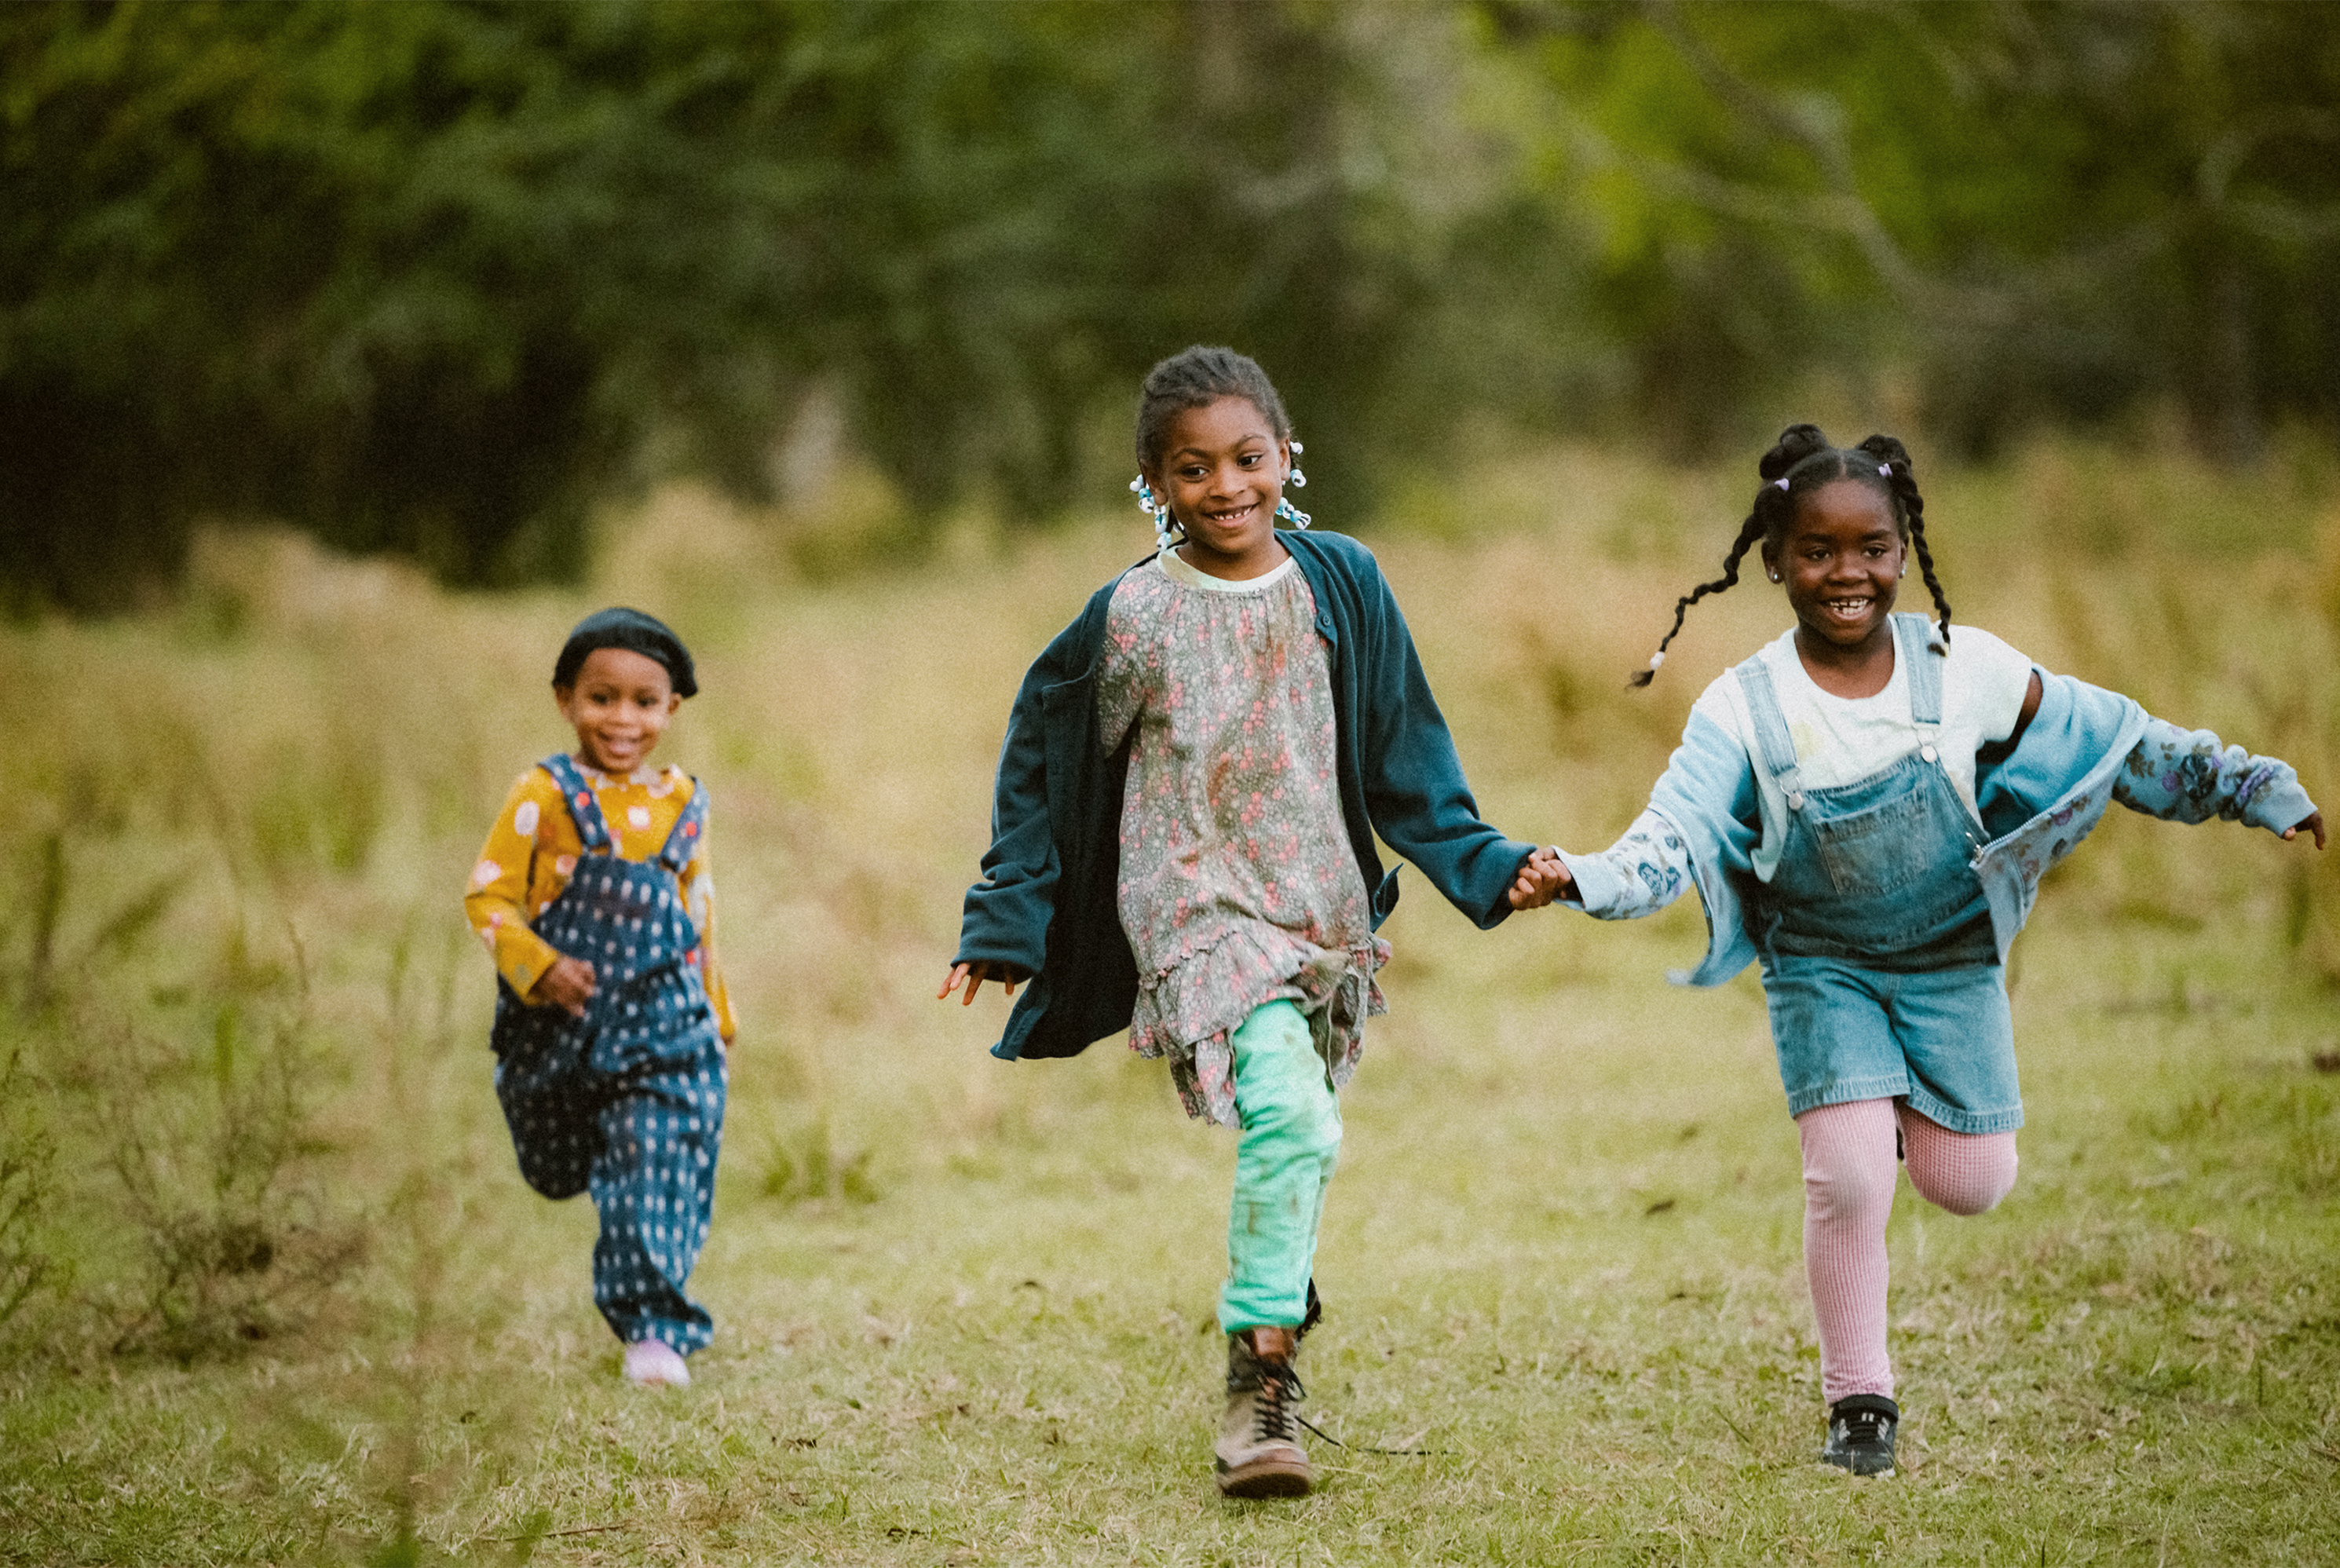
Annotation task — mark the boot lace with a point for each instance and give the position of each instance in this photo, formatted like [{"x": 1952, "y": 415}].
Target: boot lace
[{"x": 1273, "y": 1419}]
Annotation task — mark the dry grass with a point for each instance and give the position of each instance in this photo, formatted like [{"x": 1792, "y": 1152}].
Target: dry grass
[{"x": 964, "y": 1307}]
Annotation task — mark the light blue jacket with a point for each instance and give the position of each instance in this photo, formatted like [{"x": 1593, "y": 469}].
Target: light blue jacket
[{"x": 2085, "y": 749}]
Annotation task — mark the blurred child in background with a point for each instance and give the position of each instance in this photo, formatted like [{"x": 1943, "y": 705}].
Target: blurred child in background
[
  {"x": 593, "y": 895},
  {"x": 1866, "y": 806},
  {"x": 1183, "y": 844}
]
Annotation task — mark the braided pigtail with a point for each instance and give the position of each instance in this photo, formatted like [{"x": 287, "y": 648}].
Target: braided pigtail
[
  {"x": 1903, "y": 480},
  {"x": 1769, "y": 513},
  {"x": 1748, "y": 532}
]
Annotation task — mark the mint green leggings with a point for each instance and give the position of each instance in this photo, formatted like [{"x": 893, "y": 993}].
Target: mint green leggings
[{"x": 1290, "y": 1140}]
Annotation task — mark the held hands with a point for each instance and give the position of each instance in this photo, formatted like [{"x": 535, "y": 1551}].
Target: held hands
[
  {"x": 1543, "y": 877},
  {"x": 567, "y": 984},
  {"x": 972, "y": 977},
  {"x": 2311, "y": 826}
]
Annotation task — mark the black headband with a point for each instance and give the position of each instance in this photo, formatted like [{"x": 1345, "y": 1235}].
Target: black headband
[{"x": 634, "y": 631}]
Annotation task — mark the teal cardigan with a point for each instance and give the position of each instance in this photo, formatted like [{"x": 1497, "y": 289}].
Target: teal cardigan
[{"x": 1047, "y": 906}]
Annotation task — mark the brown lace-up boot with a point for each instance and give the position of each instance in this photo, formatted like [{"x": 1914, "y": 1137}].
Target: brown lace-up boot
[{"x": 1258, "y": 1450}]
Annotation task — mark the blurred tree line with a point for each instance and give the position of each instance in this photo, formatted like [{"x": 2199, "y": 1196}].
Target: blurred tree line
[{"x": 433, "y": 277}]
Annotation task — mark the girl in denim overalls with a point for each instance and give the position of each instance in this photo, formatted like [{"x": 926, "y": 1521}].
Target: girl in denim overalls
[
  {"x": 594, "y": 896},
  {"x": 1865, "y": 808}
]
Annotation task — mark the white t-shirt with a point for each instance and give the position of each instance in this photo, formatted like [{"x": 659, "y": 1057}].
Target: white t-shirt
[{"x": 1844, "y": 740}]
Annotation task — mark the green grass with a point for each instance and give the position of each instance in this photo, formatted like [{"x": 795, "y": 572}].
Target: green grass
[{"x": 964, "y": 1307}]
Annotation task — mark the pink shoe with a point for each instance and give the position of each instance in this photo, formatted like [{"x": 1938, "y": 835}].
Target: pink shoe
[{"x": 651, "y": 1362}]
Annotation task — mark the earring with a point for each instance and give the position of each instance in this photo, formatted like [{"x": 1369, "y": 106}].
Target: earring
[
  {"x": 1158, "y": 509},
  {"x": 1775, "y": 577}
]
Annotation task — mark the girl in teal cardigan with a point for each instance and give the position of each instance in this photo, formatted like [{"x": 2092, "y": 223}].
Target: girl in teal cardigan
[{"x": 1183, "y": 844}]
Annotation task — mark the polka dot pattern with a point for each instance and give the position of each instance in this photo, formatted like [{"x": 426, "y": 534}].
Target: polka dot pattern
[{"x": 626, "y": 1103}]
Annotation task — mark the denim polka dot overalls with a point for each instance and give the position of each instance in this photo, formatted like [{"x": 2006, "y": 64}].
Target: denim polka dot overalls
[{"x": 627, "y": 1102}]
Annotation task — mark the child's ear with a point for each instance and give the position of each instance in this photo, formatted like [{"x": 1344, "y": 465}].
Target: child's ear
[
  {"x": 562, "y": 696},
  {"x": 673, "y": 703}
]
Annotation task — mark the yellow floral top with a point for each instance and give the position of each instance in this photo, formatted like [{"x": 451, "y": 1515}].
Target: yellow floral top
[{"x": 532, "y": 849}]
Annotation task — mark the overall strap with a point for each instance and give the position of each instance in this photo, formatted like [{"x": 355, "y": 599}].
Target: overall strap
[
  {"x": 585, "y": 810},
  {"x": 682, "y": 841},
  {"x": 1914, "y": 644},
  {"x": 1771, "y": 729}
]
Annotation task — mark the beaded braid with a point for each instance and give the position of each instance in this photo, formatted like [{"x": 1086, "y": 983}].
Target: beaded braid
[
  {"x": 1801, "y": 461},
  {"x": 1753, "y": 529},
  {"x": 1903, "y": 480}
]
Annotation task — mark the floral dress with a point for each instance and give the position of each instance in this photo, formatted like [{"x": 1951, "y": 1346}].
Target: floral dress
[{"x": 1238, "y": 886}]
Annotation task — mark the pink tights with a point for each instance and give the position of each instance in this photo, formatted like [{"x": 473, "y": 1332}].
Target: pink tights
[{"x": 1848, "y": 1196}]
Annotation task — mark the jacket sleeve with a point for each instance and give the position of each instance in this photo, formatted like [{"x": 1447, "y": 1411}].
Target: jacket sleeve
[
  {"x": 2188, "y": 775},
  {"x": 1700, "y": 828},
  {"x": 1006, "y": 916},
  {"x": 1415, "y": 792}
]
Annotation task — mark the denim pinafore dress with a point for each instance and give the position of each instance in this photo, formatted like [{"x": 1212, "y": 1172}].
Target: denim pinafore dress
[
  {"x": 626, "y": 1102},
  {"x": 1880, "y": 966}
]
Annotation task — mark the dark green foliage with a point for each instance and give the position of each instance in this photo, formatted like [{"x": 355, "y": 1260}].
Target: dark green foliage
[
  {"x": 2057, "y": 212},
  {"x": 431, "y": 277}
]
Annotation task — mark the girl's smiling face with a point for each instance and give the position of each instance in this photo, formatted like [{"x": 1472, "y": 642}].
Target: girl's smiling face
[
  {"x": 619, "y": 706},
  {"x": 1841, "y": 559},
  {"x": 1221, "y": 468}
]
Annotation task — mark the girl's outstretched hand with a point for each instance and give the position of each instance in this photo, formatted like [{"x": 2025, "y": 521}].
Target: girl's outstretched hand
[
  {"x": 2313, "y": 826},
  {"x": 1543, "y": 877},
  {"x": 972, "y": 977}
]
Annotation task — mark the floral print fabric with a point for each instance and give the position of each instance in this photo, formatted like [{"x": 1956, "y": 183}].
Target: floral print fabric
[{"x": 1238, "y": 884}]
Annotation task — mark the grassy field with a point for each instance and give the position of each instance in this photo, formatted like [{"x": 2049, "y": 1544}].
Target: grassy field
[{"x": 279, "y": 1296}]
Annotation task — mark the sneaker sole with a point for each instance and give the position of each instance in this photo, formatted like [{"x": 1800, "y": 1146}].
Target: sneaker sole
[{"x": 1268, "y": 1478}]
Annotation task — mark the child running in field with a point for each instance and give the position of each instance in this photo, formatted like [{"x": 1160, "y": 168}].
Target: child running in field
[
  {"x": 593, "y": 894},
  {"x": 1866, "y": 807},
  {"x": 1183, "y": 844}
]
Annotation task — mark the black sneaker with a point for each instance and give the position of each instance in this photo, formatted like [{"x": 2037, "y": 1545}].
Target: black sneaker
[{"x": 1860, "y": 1433}]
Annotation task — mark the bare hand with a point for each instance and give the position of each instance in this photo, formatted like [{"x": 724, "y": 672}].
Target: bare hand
[
  {"x": 1543, "y": 877},
  {"x": 2313, "y": 825},
  {"x": 567, "y": 984},
  {"x": 972, "y": 977}
]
